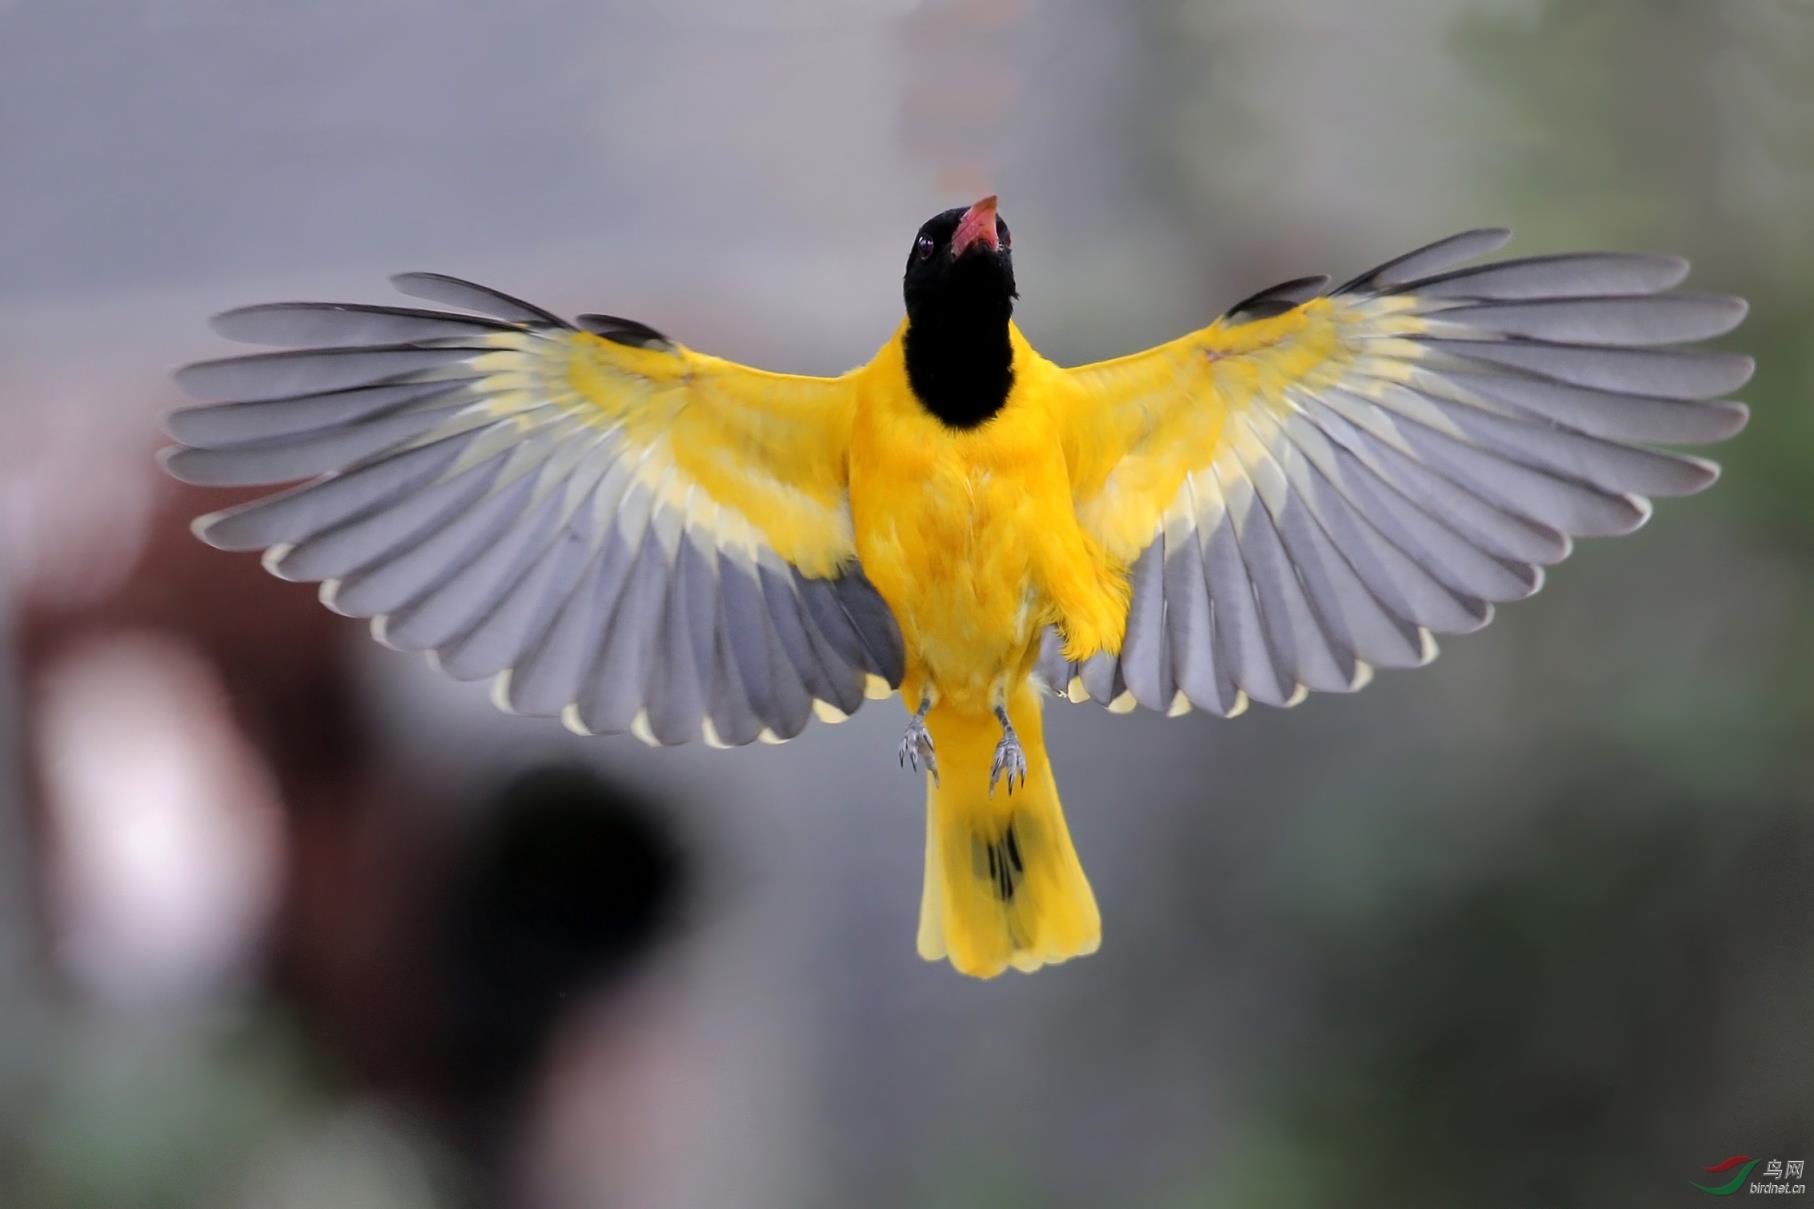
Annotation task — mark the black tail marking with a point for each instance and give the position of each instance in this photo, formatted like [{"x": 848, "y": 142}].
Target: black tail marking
[{"x": 1005, "y": 866}]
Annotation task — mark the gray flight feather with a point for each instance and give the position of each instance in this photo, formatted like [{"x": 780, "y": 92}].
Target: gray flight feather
[
  {"x": 473, "y": 590},
  {"x": 1145, "y": 661},
  {"x": 554, "y": 670},
  {"x": 1566, "y": 275},
  {"x": 617, "y": 686},
  {"x": 550, "y": 673},
  {"x": 1189, "y": 638},
  {"x": 1607, "y": 465},
  {"x": 1240, "y": 638},
  {"x": 1355, "y": 622},
  {"x": 287, "y": 459},
  {"x": 455, "y": 291},
  {"x": 727, "y": 702},
  {"x": 1568, "y": 506},
  {"x": 426, "y": 565},
  {"x": 1429, "y": 259},
  {"x": 1335, "y": 490},
  {"x": 312, "y": 371},
  {"x": 522, "y": 615},
  {"x": 831, "y": 622},
  {"x": 1654, "y": 319},
  {"x": 1617, "y": 417},
  {"x": 769, "y": 678},
  {"x": 221, "y": 425},
  {"x": 874, "y": 623},
  {"x": 676, "y": 698},
  {"x": 1667, "y": 373},
  {"x": 1101, "y": 676},
  {"x": 1364, "y": 457},
  {"x": 371, "y": 537},
  {"x": 312, "y": 324},
  {"x": 826, "y": 677},
  {"x": 296, "y": 514},
  {"x": 1052, "y": 668},
  {"x": 1302, "y": 652}
]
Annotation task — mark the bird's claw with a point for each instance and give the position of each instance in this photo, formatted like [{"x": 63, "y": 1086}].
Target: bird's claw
[
  {"x": 916, "y": 746},
  {"x": 1010, "y": 762}
]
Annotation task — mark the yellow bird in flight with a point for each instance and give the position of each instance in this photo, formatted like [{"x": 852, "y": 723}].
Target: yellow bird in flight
[{"x": 633, "y": 536}]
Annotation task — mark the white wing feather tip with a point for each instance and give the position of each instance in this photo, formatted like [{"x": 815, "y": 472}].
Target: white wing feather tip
[
  {"x": 272, "y": 559},
  {"x": 1427, "y": 648},
  {"x": 500, "y": 692}
]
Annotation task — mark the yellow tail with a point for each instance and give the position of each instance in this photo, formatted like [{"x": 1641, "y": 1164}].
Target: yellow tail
[{"x": 1003, "y": 885}]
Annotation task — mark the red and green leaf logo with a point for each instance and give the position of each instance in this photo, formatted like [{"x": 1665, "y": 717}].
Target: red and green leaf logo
[{"x": 1736, "y": 1182}]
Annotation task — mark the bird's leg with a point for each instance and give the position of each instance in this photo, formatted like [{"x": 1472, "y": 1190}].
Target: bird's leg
[
  {"x": 1010, "y": 761},
  {"x": 916, "y": 744}
]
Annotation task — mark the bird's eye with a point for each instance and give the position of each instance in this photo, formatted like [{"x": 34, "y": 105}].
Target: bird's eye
[{"x": 923, "y": 247}]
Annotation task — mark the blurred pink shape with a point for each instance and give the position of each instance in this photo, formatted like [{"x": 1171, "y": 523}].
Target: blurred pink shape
[
  {"x": 165, "y": 834},
  {"x": 77, "y": 485}
]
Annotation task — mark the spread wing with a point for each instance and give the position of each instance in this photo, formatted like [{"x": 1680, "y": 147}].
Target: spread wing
[
  {"x": 1316, "y": 483},
  {"x": 621, "y": 531}
]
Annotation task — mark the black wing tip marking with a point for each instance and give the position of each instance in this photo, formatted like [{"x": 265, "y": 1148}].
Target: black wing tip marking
[
  {"x": 619, "y": 330},
  {"x": 1276, "y": 299}
]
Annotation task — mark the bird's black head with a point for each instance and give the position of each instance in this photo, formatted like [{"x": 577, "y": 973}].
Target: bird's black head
[
  {"x": 959, "y": 289},
  {"x": 961, "y": 258}
]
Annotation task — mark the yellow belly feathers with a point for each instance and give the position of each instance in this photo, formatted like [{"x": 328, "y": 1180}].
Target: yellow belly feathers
[{"x": 972, "y": 539}]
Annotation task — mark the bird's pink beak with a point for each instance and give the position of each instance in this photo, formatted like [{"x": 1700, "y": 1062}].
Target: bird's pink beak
[{"x": 976, "y": 226}]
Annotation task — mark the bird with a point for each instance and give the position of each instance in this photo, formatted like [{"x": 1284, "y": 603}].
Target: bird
[{"x": 633, "y": 536}]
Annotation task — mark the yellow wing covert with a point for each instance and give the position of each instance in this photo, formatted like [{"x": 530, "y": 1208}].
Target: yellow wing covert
[
  {"x": 616, "y": 529},
  {"x": 1319, "y": 481}
]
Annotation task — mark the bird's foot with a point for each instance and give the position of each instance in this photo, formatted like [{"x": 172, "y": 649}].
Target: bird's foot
[
  {"x": 1010, "y": 760},
  {"x": 916, "y": 746}
]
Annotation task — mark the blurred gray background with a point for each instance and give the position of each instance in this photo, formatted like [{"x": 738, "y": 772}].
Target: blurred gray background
[{"x": 287, "y": 919}]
